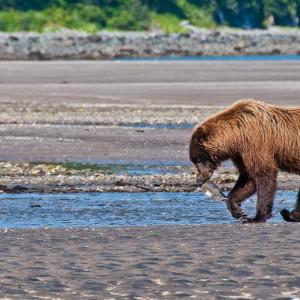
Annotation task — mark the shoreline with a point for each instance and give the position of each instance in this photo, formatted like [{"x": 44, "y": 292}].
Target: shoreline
[{"x": 114, "y": 45}]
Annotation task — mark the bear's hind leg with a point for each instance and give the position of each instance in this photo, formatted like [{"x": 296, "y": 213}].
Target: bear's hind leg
[
  {"x": 293, "y": 216},
  {"x": 266, "y": 188}
]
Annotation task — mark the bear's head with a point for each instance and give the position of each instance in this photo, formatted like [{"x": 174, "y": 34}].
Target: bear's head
[{"x": 200, "y": 154}]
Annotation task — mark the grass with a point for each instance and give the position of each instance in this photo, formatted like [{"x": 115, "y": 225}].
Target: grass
[
  {"x": 81, "y": 17},
  {"x": 103, "y": 168},
  {"x": 114, "y": 15},
  {"x": 137, "y": 15},
  {"x": 166, "y": 22},
  {"x": 197, "y": 16},
  {"x": 91, "y": 18}
]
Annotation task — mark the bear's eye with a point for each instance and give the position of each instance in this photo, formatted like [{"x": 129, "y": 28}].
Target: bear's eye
[{"x": 195, "y": 160}]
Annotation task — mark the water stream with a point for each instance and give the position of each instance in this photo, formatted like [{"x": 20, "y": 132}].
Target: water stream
[
  {"x": 284, "y": 57},
  {"x": 122, "y": 209}
]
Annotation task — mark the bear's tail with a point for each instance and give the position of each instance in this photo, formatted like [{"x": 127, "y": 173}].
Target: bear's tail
[{"x": 293, "y": 216}]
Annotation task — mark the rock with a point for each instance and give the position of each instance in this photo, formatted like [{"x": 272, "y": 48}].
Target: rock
[
  {"x": 20, "y": 178},
  {"x": 108, "y": 45},
  {"x": 35, "y": 205},
  {"x": 18, "y": 188}
]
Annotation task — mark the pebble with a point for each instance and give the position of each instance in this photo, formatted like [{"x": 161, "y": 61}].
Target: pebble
[
  {"x": 28, "y": 178},
  {"x": 108, "y": 45}
]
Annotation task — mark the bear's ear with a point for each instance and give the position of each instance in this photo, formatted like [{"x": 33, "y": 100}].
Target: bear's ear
[{"x": 200, "y": 134}]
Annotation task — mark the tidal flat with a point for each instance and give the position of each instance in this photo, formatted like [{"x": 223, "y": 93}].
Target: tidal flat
[{"x": 103, "y": 147}]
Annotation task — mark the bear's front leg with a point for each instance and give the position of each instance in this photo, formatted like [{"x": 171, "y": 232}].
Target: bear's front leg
[
  {"x": 266, "y": 187},
  {"x": 242, "y": 189}
]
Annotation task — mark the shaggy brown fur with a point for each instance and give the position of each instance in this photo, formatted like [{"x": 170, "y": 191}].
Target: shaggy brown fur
[{"x": 260, "y": 139}]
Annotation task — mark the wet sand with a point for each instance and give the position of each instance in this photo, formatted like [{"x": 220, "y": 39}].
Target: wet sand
[
  {"x": 166, "y": 262},
  {"x": 95, "y": 97},
  {"x": 148, "y": 83}
]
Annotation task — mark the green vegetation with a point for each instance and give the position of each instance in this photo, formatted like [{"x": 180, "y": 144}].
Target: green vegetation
[
  {"x": 85, "y": 167},
  {"x": 167, "y": 15}
]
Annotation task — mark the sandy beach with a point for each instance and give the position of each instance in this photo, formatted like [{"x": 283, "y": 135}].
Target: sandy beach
[{"x": 101, "y": 113}]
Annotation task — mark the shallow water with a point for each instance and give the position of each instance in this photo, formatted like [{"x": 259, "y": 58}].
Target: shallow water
[
  {"x": 143, "y": 167},
  {"x": 161, "y": 125},
  {"x": 217, "y": 58},
  {"x": 122, "y": 209}
]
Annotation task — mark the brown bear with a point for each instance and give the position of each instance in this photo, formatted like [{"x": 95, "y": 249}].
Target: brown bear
[{"x": 260, "y": 139}]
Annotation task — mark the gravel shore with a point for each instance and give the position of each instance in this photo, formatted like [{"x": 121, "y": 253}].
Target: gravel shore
[
  {"x": 109, "y": 45},
  {"x": 55, "y": 178}
]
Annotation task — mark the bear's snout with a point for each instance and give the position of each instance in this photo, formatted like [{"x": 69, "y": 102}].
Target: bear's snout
[{"x": 202, "y": 173}]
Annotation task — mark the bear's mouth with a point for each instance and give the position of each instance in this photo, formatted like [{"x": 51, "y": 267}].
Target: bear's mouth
[
  {"x": 200, "y": 182},
  {"x": 213, "y": 191}
]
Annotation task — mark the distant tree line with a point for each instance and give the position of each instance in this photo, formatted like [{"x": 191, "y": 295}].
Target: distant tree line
[
  {"x": 257, "y": 13},
  {"x": 146, "y": 14}
]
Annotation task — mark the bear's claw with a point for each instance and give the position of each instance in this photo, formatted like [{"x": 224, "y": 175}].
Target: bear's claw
[{"x": 243, "y": 219}]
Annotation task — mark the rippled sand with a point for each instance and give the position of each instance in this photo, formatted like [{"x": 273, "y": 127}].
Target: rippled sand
[{"x": 200, "y": 262}]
